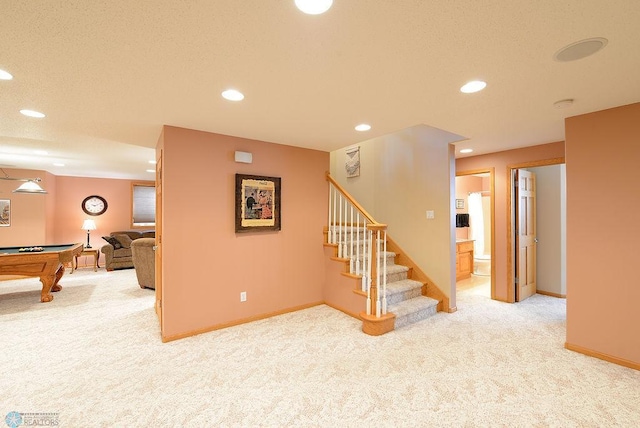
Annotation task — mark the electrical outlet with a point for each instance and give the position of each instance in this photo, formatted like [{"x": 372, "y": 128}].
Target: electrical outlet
[
  {"x": 243, "y": 296},
  {"x": 430, "y": 215}
]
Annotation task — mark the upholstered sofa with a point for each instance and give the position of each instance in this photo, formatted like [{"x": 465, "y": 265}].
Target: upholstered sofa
[
  {"x": 117, "y": 252},
  {"x": 144, "y": 261}
]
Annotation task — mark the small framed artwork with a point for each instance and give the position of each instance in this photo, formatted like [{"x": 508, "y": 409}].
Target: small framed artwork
[
  {"x": 459, "y": 204},
  {"x": 352, "y": 162},
  {"x": 258, "y": 200},
  {"x": 5, "y": 212}
]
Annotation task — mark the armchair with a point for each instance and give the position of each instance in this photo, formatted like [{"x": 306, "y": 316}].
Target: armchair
[{"x": 144, "y": 261}]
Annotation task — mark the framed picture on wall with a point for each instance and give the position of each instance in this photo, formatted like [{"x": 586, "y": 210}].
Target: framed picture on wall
[
  {"x": 459, "y": 204},
  {"x": 352, "y": 161},
  {"x": 5, "y": 212},
  {"x": 258, "y": 200}
]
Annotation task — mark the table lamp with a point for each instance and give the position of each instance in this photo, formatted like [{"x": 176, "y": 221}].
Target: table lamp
[{"x": 89, "y": 225}]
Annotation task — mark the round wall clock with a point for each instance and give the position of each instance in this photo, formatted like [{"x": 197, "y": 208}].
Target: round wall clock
[{"x": 94, "y": 205}]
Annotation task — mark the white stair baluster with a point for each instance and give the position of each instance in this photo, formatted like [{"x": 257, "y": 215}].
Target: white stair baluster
[
  {"x": 333, "y": 232},
  {"x": 351, "y": 267},
  {"x": 345, "y": 253},
  {"x": 340, "y": 229},
  {"x": 357, "y": 242},
  {"x": 384, "y": 276},
  {"x": 364, "y": 257},
  {"x": 329, "y": 222},
  {"x": 368, "y": 282},
  {"x": 369, "y": 255},
  {"x": 378, "y": 273}
]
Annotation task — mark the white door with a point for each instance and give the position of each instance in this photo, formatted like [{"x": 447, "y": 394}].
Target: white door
[{"x": 525, "y": 234}]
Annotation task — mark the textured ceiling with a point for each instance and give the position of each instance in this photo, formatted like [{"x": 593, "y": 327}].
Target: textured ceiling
[{"x": 110, "y": 74}]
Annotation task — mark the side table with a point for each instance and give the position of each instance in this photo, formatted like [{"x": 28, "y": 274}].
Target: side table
[{"x": 87, "y": 252}]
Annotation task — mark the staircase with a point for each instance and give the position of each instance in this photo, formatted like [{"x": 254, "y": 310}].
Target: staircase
[
  {"x": 352, "y": 237},
  {"x": 405, "y": 297}
]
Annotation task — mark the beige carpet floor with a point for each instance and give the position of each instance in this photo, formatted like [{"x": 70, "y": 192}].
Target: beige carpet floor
[{"x": 93, "y": 358}]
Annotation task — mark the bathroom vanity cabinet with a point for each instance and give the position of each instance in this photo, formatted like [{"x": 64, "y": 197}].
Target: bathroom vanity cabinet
[{"x": 464, "y": 259}]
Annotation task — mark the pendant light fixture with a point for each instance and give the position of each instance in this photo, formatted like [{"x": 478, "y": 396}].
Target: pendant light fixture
[{"x": 30, "y": 185}]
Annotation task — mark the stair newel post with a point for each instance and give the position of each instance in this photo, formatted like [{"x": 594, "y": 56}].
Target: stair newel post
[
  {"x": 384, "y": 274},
  {"x": 373, "y": 321},
  {"x": 339, "y": 226},
  {"x": 329, "y": 220},
  {"x": 374, "y": 268}
]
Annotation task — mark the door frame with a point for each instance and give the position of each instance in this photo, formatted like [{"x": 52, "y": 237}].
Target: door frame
[
  {"x": 511, "y": 245},
  {"x": 491, "y": 172}
]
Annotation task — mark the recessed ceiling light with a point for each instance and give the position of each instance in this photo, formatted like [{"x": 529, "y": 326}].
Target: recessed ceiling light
[
  {"x": 32, "y": 113},
  {"x": 41, "y": 152},
  {"x": 580, "y": 49},
  {"x": 58, "y": 164},
  {"x": 232, "y": 95},
  {"x": 4, "y": 75},
  {"x": 151, "y": 170},
  {"x": 466, "y": 150},
  {"x": 563, "y": 103},
  {"x": 473, "y": 86},
  {"x": 313, "y": 7},
  {"x": 152, "y": 162},
  {"x": 363, "y": 127}
]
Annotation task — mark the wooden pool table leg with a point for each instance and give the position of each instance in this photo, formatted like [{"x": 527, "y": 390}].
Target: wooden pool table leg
[{"x": 50, "y": 283}]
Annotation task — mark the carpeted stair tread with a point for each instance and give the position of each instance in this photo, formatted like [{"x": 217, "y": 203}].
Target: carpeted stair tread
[
  {"x": 395, "y": 269},
  {"x": 413, "y": 310},
  {"x": 402, "y": 286},
  {"x": 404, "y": 289}
]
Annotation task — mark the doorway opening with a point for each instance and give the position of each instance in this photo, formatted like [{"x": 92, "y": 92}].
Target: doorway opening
[
  {"x": 548, "y": 269},
  {"x": 475, "y": 231}
]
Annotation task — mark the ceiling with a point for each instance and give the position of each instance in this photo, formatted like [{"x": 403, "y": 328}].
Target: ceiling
[{"x": 108, "y": 75}]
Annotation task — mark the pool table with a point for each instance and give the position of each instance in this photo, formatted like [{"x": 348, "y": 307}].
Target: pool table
[{"x": 48, "y": 264}]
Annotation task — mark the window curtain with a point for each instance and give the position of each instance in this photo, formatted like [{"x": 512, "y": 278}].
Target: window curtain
[{"x": 476, "y": 223}]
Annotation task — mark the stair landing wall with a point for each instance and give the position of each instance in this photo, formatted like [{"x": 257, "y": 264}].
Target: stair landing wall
[{"x": 339, "y": 289}]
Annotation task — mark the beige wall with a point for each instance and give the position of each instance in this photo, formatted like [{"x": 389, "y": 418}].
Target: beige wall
[
  {"x": 205, "y": 263},
  {"x": 502, "y": 161},
  {"x": 402, "y": 176},
  {"x": 603, "y": 151}
]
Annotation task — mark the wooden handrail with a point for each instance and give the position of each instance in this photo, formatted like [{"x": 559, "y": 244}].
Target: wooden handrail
[{"x": 350, "y": 198}]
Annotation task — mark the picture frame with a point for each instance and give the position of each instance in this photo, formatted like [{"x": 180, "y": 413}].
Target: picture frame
[
  {"x": 459, "y": 204},
  {"x": 258, "y": 200},
  {"x": 352, "y": 162},
  {"x": 5, "y": 212}
]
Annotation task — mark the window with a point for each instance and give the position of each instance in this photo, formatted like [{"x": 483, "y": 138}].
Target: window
[{"x": 143, "y": 204}]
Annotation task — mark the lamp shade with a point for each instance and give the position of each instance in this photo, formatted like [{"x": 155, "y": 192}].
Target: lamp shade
[
  {"x": 89, "y": 225},
  {"x": 30, "y": 187}
]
